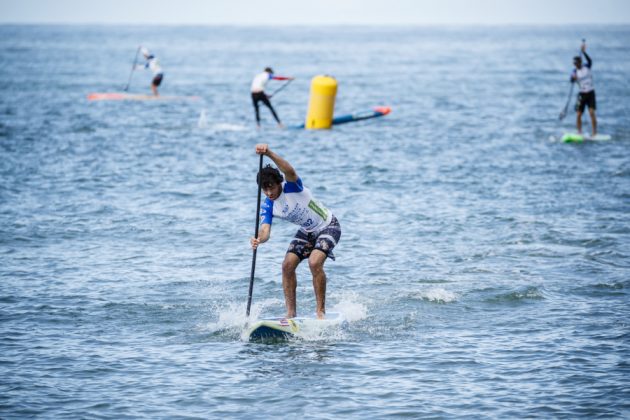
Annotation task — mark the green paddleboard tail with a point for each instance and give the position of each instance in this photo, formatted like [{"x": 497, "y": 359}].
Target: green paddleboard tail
[{"x": 573, "y": 138}]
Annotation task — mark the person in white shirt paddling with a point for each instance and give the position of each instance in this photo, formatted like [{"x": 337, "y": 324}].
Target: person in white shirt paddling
[
  {"x": 259, "y": 95},
  {"x": 152, "y": 64},
  {"x": 319, "y": 231},
  {"x": 586, "y": 98}
]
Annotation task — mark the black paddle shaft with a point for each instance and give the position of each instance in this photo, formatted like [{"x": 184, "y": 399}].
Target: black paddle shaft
[
  {"x": 133, "y": 67},
  {"x": 563, "y": 113},
  {"x": 251, "y": 279},
  {"x": 280, "y": 88}
]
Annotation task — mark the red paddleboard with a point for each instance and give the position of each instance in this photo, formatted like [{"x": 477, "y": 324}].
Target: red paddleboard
[{"x": 119, "y": 96}]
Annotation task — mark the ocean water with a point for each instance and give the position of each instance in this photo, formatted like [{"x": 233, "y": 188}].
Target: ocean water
[{"x": 483, "y": 265}]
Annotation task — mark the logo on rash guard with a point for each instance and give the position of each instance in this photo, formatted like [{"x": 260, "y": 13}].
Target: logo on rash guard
[
  {"x": 321, "y": 211},
  {"x": 296, "y": 214}
]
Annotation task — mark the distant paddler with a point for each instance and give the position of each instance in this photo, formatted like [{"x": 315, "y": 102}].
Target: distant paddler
[
  {"x": 259, "y": 95},
  {"x": 153, "y": 64},
  {"x": 319, "y": 232},
  {"x": 584, "y": 78}
]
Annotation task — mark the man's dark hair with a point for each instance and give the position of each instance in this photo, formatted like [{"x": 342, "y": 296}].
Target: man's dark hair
[
  {"x": 269, "y": 176},
  {"x": 268, "y": 70}
]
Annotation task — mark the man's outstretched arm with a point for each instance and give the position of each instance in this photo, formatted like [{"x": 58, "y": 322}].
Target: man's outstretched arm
[{"x": 285, "y": 167}]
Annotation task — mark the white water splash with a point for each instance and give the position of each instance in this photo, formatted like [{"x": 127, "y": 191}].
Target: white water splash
[
  {"x": 438, "y": 295},
  {"x": 202, "y": 122},
  {"x": 352, "y": 306},
  {"x": 233, "y": 318},
  {"x": 228, "y": 127}
]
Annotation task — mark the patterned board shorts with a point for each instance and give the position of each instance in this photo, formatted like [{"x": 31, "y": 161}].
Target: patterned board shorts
[{"x": 303, "y": 243}]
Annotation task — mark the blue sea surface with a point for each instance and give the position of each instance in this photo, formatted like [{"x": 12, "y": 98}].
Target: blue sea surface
[{"x": 483, "y": 265}]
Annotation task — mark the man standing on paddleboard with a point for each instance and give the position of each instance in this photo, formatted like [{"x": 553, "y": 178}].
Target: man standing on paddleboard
[
  {"x": 154, "y": 65},
  {"x": 584, "y": 78},
  {"x": 259, "y": 95},
  {"x": 319, "y": 232}
]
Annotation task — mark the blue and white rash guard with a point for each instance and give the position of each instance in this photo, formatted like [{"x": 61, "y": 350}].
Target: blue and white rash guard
[{"x": 296, "y": 205}]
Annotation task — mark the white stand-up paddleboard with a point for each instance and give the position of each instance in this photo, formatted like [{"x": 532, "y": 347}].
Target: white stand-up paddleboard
[
  {"x": 579, "y": 138},
  {"x": 281, "y": 329}
]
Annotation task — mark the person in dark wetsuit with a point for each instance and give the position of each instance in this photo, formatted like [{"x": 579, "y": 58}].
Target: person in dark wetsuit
[
  {"x": 259, "y": 95},
  {"x": 586, "y": 98}
]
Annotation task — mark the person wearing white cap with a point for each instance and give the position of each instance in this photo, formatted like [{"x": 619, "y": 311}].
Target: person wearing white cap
[{"x": 152, "y": 64}]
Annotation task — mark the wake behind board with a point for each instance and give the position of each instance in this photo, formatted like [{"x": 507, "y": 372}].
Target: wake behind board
[
  {"x": 282, "y": 329},
  {"x": 579, "y": 138},
  {"x": 119, "y": 96}
]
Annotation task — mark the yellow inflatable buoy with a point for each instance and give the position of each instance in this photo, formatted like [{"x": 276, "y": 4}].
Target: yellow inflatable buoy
[{"x": 321, "y": 104}]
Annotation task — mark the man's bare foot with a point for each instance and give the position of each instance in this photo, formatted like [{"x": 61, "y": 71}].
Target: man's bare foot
[{"x": 321, "y": 315}]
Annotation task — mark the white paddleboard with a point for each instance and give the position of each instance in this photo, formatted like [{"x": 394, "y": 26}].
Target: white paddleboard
[
  {"x": 282, "y": 329},
  {"x": 579, "y": 138}
]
